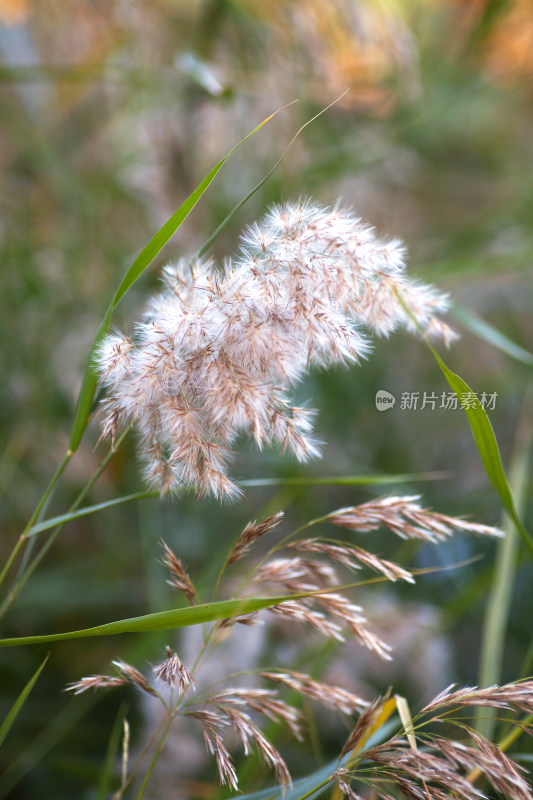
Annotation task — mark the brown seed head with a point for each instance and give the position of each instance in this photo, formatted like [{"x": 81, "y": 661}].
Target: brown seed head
[
  {"x": 251, "y": 533},
  {"x": 173, "y": 673},
  {"x": 180, "y": 580}
]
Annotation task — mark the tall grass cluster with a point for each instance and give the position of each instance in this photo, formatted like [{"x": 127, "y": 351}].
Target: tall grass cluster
[
  {"x": 218, "y": 354},
  {"x": 263, "y": 534}
]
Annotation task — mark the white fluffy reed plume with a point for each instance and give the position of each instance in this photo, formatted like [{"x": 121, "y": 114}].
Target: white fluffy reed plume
[{"x": 218, "y": 350}]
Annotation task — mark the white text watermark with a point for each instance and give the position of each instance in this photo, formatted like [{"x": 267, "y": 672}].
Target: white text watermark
[{"x": 447, "y": 401}]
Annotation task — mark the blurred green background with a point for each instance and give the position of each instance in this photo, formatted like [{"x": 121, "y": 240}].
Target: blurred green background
[{"x": 111, "y": 112}]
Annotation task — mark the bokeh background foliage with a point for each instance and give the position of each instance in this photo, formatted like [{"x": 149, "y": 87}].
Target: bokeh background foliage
[{"x": 110, "y": 115}]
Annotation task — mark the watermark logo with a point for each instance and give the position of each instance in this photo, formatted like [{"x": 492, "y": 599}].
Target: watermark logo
[
  {"x": 449, "y": 401},
  {"x": 384, "y": 400}
]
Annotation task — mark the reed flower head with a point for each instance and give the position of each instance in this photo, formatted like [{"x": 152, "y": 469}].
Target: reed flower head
[
  {"x": 218, "y": 350},
  {"x": 172, "y": 672}
]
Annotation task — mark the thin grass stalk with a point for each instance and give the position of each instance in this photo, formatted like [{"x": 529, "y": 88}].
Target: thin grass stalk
[
  {"x": 22, "y": 579},
  {"x": 209, "y": 241},
  {"x": 155, "y": 758},
  {"x": 53, "y": 522},
  {"x": 111, "y": 755},
  {"x": 499, "y": 601},
  {"x": 153, "y": 739},
  {"x": 39, "y": 747},
  {"x": 40, "y": 505}
]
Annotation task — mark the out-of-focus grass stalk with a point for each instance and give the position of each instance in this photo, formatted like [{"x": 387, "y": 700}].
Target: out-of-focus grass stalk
[
  {"x": 339, "y": 480},
  {"x": 157, "y": 738},
  {"x": 499, "y": 601},
  {"x": 38, "y": 509},
  {"x": 155, "y": 757},
  {"x": 111, "y": 756},
  {"x": 30, "y": 568},
  {"x": 19, "y": 703},
  {"x": 484, "y": 330}
]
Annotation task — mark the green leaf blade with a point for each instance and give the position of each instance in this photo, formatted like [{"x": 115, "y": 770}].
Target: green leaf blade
[
  {"x": 19, "y": 702},
  {"x": 484, "y": 330},
  {"x": 482, "y": 432},
  {"x": 160, "y": 621},
  {"x": 486, "y": 444},
  {"x": 345, "y": 480},
  {"x": 62, "y": 519}
]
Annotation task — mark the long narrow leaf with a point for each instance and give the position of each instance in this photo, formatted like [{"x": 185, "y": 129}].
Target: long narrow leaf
[
  {"x": 62, "y": 519},
  {"x": 499, "y": 600},
  {"x": 482, "y": 432},
  {"x": 160, "y": 621},
  {"x": 347, "y": 480},
  {"x": 19, "y": 702},
  {"x": 340, "y": 480},
  {"x": 203, "y": 612},
  {"x": 143, "y": 260},
  {"x": 484, "y": 330},
  {"x": 486, "y": 443}
]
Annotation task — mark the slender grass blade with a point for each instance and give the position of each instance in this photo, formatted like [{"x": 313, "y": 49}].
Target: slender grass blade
[
  {"x": 484, "y": 330},
  {"x": 161, "y": 620},
  {"x": 346, "y": 480},
  {"x": 62, "y": 519},
  {"x": 19, "y": 702},
  {"x": 499, "y": 599},
  {"x": 482, "y": 432}
]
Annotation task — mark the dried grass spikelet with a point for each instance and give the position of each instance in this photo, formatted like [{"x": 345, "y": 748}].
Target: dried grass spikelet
[
  {"x": 441, "y": 768},
  {"x": 309, "y": 566},
  {"x": 330, "y": 613},
  {"x": 517, "y": 696},
  {"x": 179, "y": 579},
  {"x": 125, "y": 674},
  {"x": 232, "y": 708},
  {"x": 405, "y": 517},
  {"x": 173, "y": 673},
  {"x": 437, "y": 767},
  {"x": 353, "y": 558},
  {"x": 363, "y": 726},
  {"x": 217, "y": 354},
  {"x": 251, "y": 533},
  {"x": 324, "y": 693},
  {"x": 95, "y": 682}
]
